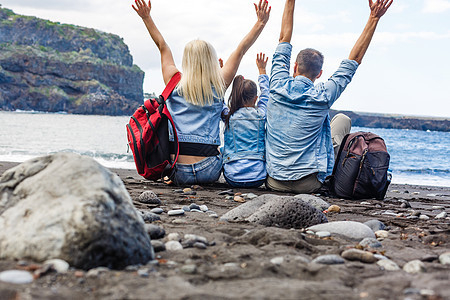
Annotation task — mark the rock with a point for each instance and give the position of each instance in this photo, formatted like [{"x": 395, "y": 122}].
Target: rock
[
  {"x": 415, "y": 213},
  {"x": 95, "y": 272},
  {"x": 58, "y": 265},
  {"x": 412, "y": 218},
  {"x": 359, "y": 255},
  {"x": 388, "y": 265},
  {"x": 442, "y": 215},
  {"x": 424, "y": 217},
  {"x": 414, "y": 267},
  {"x": 194, "y": 206},
  {"x": 347, "y": 229},
  {"x": 200, "y": 245},
  {"x": 437, "y": 207},
  {"x": 190, "y": 193},
  {"x": 203, "y": 208},
  {"x": 187, "y": 190},
  {"x": 69, "y": 206},
  {"x": 178, "y": 191},
  {"x": 243, "y": 211},
  {"x": 16, "y": 276},
  {"x": 365, "y": 203},
  {"x": 429, "y": 257},
  {"x": 189, "y": 269},
  {"x": 196, "y": 210},
  {"x": 149, "y": 197},
  {"x": 186, "y": 208},
  {"x": 158, "y": 246},
  {"x": 214, "y": 216},
  {"x": 444, "y": 258},
  {"x": 371, "y": 243},
  {"x": 381, "y": 234},
  {"x": 196, "y": 238},
  {"x": 143, "y": 272},
  {"x": 313, "y": 201},
  {"x": 149, "y": 216},
  {"x": 154, "y": 231},
  {"x": 227, "y": 192},
  {"x": 251, "y": 196},
  {"x": 329, "y": 259},
  {"x": 157, "y": 210},
  {"x": 287, "y": 212},
  {"x": 334, "y": 208},
  {"x": 173, "y": 246},
  {"x": 239, "y": 199},
  {"x": 380, "y": 257},
  {"x": 323, "y": 234},
  {"x": 175, "y": 212},
  {"x": 277, "y": 260},
  {"x": 173, "y": 236}
]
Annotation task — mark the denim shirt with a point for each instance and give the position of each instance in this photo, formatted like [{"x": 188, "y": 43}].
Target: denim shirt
[
  {"x": 244, "y": 140},
  {"x": 298, "y": 138},
  {"x": 195, "y": 123}
]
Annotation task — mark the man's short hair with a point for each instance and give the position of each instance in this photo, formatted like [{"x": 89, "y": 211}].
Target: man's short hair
[{"x": 310, "y": 62}]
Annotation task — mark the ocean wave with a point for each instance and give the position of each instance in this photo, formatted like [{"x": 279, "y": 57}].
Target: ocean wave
[{"x": 430, "y": 171}]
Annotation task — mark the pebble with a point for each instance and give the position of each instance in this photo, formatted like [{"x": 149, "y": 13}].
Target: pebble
[
  {"x": 203, "y": 208},
  {"x": 330, "y": 259},
  {"x": 371, "y": 243},
  {"x": 229, "y": 197},
  {"x": 97, "y": 271},
  {"x": 334, "y": 208},
  {"x": 412, "y": 217},
  {"x": 424, "y": 217},
  {"x": 416, "y": 193},
  {"x": 178, "y": 191},
  {"x": 59, "y": 265},
  {"x": 227, "y": 192},
  {"x": 16, "y": 276},
  {"x": 431, "y": 195},
  {"x": 310, "y": 232},
  {"x": 381, "y": 234},
  {"x": 132, "y": 268},
  {"x": 375, "y": 225},
  {"x": 214, "y": 215},
  {"x": 194, "y": 206},
  {"x": 365, "y": 203},
  {"x": 359, "y": 255},
  {"x": 437, "y": 207},
  {"x": 197, "y": 238},
  {"x": 157, "y": 210},
  {"x": 442, "y": 215},
  {"x": 445, "y": 258},
  {"x": 404, "y": 203},
  {"x": 415, "y": 213},
  {"x": 395, "y": 191},
  {"x": 191, "y": 193},
  {"x": 323, "y": 234},
  {"x": 186, "y": 190},
  {"x": 239, "y": 199},
  {"x": 347, "y": 229},
  {"x": 158, "y": 246},
  {"x": 426, "y": 293},
  {"x": 189, "y": 269},
  {"x": 186, "y": 208},
  {"x": 199, "y": 245},
  {"x": 149, "y": 197},
  {"x": 175, "y": 212},
  {"x": 389, "y": 213},
  {"x": 154, "y": 231},
  {"x": 277, "y": 260},
  {"x": 251, "y": 196},
  {"x": 196, "y": 210},
  {"x": 173, "y": 236},
  {"x": 430, "y": 257},
  {"x": 380, "y": 257},
  {"x": 150, "y": 217},
  {"x": 388, "y": 265},
  {"x": 143, "y": 272},
  {"x": 173, "y": 246},
  {"x": 414, "y": 267}
]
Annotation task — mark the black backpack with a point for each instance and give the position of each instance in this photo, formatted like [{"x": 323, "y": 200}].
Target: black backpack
[{"x": 361, "y": 168}]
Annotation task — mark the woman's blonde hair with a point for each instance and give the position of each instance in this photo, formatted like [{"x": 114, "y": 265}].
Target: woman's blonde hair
[{"x": 201, "y": 73}]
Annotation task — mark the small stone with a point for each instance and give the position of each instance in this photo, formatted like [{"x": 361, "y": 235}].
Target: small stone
[
  {"x": 416, "y": 193},
  {"x": 189, "y": 269},
  {"x": 16, "y": 277},
  {"x": 437, "y": 207},
  {"x": 429, "y": 258},
  {"x": 59, "y": 265},
  {"x": 196, "y": 210},
  {"x": 149, "y": 216},
  {"x": 404, "y": 203},
  {"x": 191, "y": 193},
  {"x": 411, "y": 291},
  {"x": 323, "y": 234},
  {"x": 143, "y": 272},
  {"x": 444, "y": 258},
  {"x": 389, "y": 213},
  {"x": 424, "y": 217},
  {"x": 414, "y": 267},
  {"x": 426, "y": 293},
  {"x": 227, "y": 192},
  {"x": 196, "y": 238},
  {"x": 442, "y": 215},
  {"x": 395, "y": 191},
  {"x": 375, "y": 225},
  {"x": 412, "y": 218},
  {"x": 381, "y": 234},
  {"x": 380, "y": 257},
  {"x": 149, "y": 197},
  {"x": 239, "y": 199},
  {"x": 173, "y": 246},
  {"x": 431, "y": 195},
  {"x": 347, "y": 229},
  {"x": 132, "y": 268},
  {"x": 214, "y": 215},
  {"x": 371, "y": 243},
  {"x": 173, "y": 236},
  {"x": 178, "y": 191},
  {"x": 334, "y": 208},
  {"x": 229, "y": 197},
  {"x": 97, "y": 271},
  {"x": 186, "y": 208},
  {"x": 203, "y": 208},
  {"x": 415, "y": 213},
  {"x": 199, "y": 245},
  {"x": 157, "y": 210},
  {"x": 388, "y": 265},
  {"x": 196, "y": 187},
  {"x": 154, "y": 231},
  {"x": 158, "y": 246},
  {"x": 310, "y": 232},
  {"x": 277, "y": 260},
  {"x": 186, "y": 190},
  {"x": 79, "y": 274},
  {"x": 330, "y": 259},
  {"x": 194, "y": 206},
  {"x": 175, "y": 212},
  {"x": 365, "y": 203},
  {"x": 359, "y": 255},
  {"x": 251, "y": 196}
]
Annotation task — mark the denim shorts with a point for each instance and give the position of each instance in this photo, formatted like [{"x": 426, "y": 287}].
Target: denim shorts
[
  {"x": 250, "y": 184},
  {"x": 205, "y": 171}
]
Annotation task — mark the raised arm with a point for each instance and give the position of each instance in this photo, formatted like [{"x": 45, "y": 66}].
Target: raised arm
[
  {"x": 287, "y": 23},
  {"x": 377, "y": 10},
  {"x": 167, "y": 63},
  {"x": 232, "y": 64}
]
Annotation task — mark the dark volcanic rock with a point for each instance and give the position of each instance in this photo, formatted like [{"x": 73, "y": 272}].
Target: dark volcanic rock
[{"x": 52, "y": 67}]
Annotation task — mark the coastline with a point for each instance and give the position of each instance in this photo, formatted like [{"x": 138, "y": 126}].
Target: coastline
[{"x": 240, "y": 264}]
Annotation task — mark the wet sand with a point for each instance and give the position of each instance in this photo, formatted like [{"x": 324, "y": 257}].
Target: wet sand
[{"x": 239, "y": 266}]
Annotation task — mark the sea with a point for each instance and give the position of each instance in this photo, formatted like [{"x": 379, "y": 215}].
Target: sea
[{"x": 417, "y": 157}]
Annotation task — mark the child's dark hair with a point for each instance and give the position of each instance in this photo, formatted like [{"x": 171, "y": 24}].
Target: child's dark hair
[{"x": 242, "y": 93}]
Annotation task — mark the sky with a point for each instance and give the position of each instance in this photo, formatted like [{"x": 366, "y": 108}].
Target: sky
[{"x": 406, "y": 70}]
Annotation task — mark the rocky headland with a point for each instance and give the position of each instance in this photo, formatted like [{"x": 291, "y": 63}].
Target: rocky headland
[{"x": 53, "y": 67}]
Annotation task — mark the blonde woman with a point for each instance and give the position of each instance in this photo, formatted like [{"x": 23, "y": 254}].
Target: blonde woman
[{"x": 197, "y": 102}]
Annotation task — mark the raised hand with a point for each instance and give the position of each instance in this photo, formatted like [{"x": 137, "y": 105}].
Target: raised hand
[
  {"x": 379, "y": 7},
  {"x": 261, "y": 62},
  {"x": 143, "y": 10},
  {"x": 263, "y": 11}
]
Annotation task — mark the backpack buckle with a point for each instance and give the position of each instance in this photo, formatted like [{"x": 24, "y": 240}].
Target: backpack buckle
[{"x": 160, "y": 100}]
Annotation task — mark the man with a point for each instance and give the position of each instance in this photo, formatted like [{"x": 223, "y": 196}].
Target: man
[{"x": 300, "y": 139}]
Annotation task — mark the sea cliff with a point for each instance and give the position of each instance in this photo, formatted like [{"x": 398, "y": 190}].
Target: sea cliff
[{"x": 52, "y": 67}]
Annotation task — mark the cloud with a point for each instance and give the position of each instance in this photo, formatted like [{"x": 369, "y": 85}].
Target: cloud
[{"x": 436, "y": 6}]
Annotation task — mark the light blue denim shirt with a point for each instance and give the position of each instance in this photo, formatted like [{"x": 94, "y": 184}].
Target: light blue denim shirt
[
  {"x": 298, "y": 137},
  {"x": 244, "y": 140},
  {"x": 194, "y": 123}
]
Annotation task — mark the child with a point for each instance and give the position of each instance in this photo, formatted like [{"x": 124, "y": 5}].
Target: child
[{"x": 244, "y": 150}]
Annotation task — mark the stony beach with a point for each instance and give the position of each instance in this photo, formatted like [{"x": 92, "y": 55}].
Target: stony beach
[{"x": 200, "y": 255}]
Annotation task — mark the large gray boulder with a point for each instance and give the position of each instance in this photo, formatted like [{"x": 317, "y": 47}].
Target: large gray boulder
[{"x": 70, "y": 207}]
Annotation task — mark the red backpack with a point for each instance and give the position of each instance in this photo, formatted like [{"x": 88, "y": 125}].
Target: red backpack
[{"x": 148, "y": 136}]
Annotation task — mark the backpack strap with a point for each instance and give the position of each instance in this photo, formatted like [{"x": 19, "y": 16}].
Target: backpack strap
[
  {"x": 169, "y": 88},
  {"x": 341, "y": 148}
]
